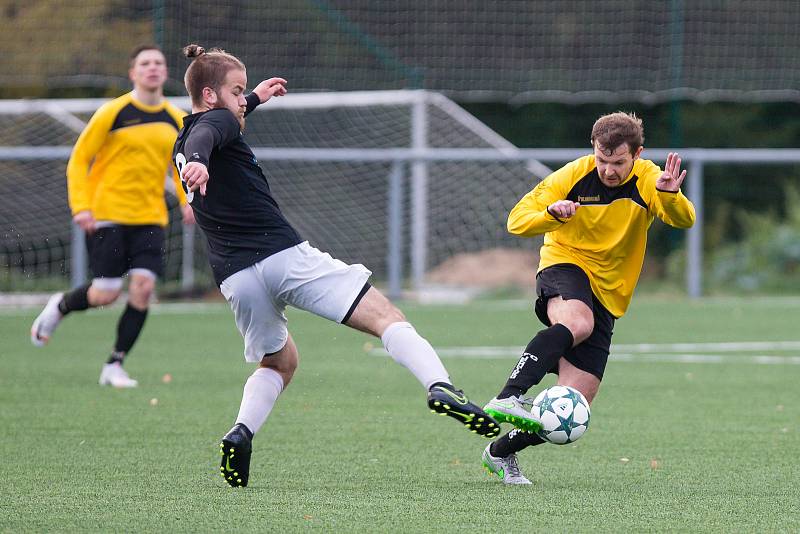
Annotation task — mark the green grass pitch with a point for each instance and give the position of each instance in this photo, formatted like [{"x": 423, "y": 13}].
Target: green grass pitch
[{"x": 709, "y": 445}]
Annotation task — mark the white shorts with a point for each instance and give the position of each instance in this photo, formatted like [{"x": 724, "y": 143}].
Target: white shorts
[{"x": 302, "y": 276}]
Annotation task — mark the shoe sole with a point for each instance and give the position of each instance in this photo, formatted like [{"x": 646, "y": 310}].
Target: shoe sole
[
  {"x": 501, "y": 475},
  {"x": 235, "y": 464},
  {"x": 472, "y": 417},
  {"x": 528, "y": 425},
  {"x": 130, "y": 385}
]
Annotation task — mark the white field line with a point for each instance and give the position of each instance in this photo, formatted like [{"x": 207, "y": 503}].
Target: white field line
[
  {"x": 169, "y": 308},
  {"x": 666, "y": 352},
  {"x": 761, "y": 359}
]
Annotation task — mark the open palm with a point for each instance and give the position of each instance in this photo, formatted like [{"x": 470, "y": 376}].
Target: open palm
[{"x": 672, "y": 177}]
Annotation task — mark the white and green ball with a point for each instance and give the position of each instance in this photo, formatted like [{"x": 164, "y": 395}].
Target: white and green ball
[{"x": 564, "y": 414}]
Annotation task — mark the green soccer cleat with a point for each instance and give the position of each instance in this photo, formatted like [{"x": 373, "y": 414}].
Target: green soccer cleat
[
  {"x": 446, "y": 400},
  {"x": 507, "y": 469},
  {"x": 235, "y": 450},
  {"x": 515, "y": 411}
]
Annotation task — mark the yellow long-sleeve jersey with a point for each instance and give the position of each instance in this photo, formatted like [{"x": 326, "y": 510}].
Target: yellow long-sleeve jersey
[
  {"x": 119, "y": 165},
  {"x": 607, "y": 236}
]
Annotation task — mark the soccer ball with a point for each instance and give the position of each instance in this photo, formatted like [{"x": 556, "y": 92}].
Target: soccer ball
[{"x": 564, "y": 414}]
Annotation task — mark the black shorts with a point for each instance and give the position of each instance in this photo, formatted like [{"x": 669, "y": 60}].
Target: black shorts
[
  {"x": 570, "y": 282},
  {"x": 114, "y": 250}
]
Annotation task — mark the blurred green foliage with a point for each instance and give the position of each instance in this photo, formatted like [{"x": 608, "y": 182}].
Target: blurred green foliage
[{"x": 767, "y": 257}]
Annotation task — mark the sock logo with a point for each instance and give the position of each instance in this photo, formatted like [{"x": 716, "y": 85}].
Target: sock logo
[
  {"x": 521, "y": 363},
  {"x": 531, "y": 356}
]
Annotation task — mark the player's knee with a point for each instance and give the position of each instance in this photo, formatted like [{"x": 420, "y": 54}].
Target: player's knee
[
  {"x": 588, "y": 388},
  {"x": 581, "y": 325},
  {"x": 140, "y": 291}
]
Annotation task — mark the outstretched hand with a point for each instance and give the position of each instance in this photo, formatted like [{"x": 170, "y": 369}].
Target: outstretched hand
[
  {"x": 269, "y": 88},
  {"x": 672, "y": 177}
]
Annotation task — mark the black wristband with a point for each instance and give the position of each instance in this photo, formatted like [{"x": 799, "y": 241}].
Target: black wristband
[{"x": 253, "y": 101}]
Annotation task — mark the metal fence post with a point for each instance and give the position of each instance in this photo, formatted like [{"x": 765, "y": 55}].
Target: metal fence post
[
  {"x": 78, "y": 262},
  {"x": 394, "y": 253},
  {"x": 694, "y": 249},
  {"x": 419, "y": 192},
  {"x": 187, "y": 258}
]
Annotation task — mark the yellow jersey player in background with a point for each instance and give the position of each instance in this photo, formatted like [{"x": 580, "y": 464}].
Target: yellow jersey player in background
[
  {"x": 594, "y": 213},
  {"x": 116, "y": 179}
]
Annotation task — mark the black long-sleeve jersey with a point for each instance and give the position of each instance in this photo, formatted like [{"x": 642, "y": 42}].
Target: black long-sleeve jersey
[{"x": 238, "y": 214}]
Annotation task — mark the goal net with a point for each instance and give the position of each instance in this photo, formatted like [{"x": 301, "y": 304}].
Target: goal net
[
  {"x": 512, "y": 50},
  {"x": 341, "y": 166}
]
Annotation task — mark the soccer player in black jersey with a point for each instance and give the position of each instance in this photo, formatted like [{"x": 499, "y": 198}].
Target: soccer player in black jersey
[
  {"x": 115, "y": 179},
  {"x": 262, "y": 265},
  {"x": 594, "y": 213}
]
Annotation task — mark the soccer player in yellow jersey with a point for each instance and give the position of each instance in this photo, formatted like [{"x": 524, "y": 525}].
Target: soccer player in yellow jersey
[
  {"x": 594, "y": 213},
  {"x": 116, "y": 178}
]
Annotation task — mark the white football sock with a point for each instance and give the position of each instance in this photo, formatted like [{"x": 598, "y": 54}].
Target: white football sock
[
  {"x": 413, "y": 352},
  {"x": 260, "y": 393}
]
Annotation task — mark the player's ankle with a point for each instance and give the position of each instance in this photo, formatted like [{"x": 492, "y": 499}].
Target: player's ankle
[
  {"x": 510, "y": 391},
  {"x": 445, "y": 385}
]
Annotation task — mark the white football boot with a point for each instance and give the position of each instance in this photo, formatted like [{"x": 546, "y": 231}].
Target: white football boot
[
  {"x": 506, "y": 468},
  {"x": 47, "y": 321},
  {"x": 114, "y": 375}
]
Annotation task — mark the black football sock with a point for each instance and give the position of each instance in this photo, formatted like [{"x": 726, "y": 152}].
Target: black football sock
[
  {"x": 513, "y": 442},
  {"x": 75, "y": 300},
  {"x": 128, "y": 329},
  {"x": 116, "y": 357},
  {"x": 541, "y": 355}
]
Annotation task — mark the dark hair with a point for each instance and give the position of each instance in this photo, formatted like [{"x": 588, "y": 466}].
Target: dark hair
[
  {"x": 139, "y": 49},
  {"x": 612, "y": 130},
  {"x": 207, "y": 69}
]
